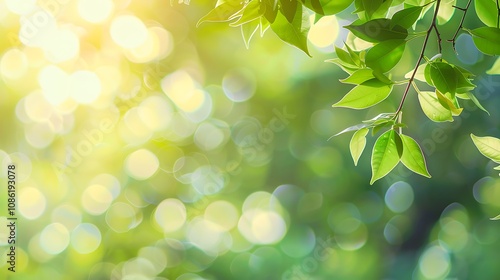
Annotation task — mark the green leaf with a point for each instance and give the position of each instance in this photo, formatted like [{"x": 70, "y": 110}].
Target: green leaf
[
  {"x": 221, "y": 13},
  {"x": 359, "y": 77},
  {"x": 496, "y": 168},
  {"x": 385, "y": 55},
  {"x": 353, "y": 128},
  {"x": 271, "y": 10},
  {"x": 448, "y": 103},
  {"x": 487, "y": 12},
  {"x": 365, "y": 95},
  {"x": 443, "y": 77},
  {"x": 488, "y": 146},
  {"x": 345, "y": 57},
  {"x": 463, "y": 83},
  {"x": 328, "y": 7},
  {"x": 252, "y": 11},
  {"x": 354, "y": 55},
  {"x": 432, "y": 108},
  {"x": 294, "y": 33},
  {"x": 385, "y": 154},
  {"x": 407, "y": 17},
  {"x": 357, "y": 144},
  {"x": 446, "y": 11},
  {"x": 476, "y": 102},
  {"x": 348, "y": 68},
  {"x": 495, "y": 68},
  {"x": 370, "y": 6},
  {"x": 288, "y": 9},
  {"x": 487, "y": 39},
  {"x": 412, "y": 157},
  {"x": 495, "y": 218},
  {"x": 378, "y": 30}
]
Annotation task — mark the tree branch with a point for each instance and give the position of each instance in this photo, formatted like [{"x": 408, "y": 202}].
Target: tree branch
[
  {"x": 433, "y": 26},
  {"x": 460, "y": 26}
]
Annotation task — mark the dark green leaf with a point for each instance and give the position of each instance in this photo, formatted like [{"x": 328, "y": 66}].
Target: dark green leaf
[
  {"x": 378, "y": 30},
  {"x": 443, "y": 77},
  {"x": 385, "y": 55},
  {"x": 288, "y": 9}
]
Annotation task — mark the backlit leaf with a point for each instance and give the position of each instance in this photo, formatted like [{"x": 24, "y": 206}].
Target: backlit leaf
[
  {"x": 432, "y": 108},
  {"x": 385, "y": 154},
  {"x": 487, "y": 11},
  {"x": 294, "y": 33},
  {"x": 378, "y": 30},
  {"x": 488, "y": 146},
  {"x": 443, "y": 77},
  {"x": 365, "y": 95},
  {"x": 406, "y": 17},
  {"x": 487, "y": 40},
  {"x": 357, "y": 144},
  {"x": 412, "y": 157},
  {"x": 385, "y": 55}
]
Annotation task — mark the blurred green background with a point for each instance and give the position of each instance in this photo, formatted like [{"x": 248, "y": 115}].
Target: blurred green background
[{"x": 147, "y": 148}]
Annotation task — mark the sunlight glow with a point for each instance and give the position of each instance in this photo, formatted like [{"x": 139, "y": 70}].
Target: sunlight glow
[
  {"x": 128, "y": 31},
  {"x": 95, "y": 11}
]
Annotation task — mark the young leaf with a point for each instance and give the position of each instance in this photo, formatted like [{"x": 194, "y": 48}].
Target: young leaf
[
  {"x": 378, "y": 30},
  {"x": 248, "y": 30},
  {"x": 357, "y": 144},
  {"x": 385, "y": 154},
  {"x": 407, "y": 17},
  {"x": 369, "y": 6},
  {"x": 345, "y": 57},
  {"x": 488, "y": 146},
  {"x": 475, "y": 101},
  {"x": 359, "y": 77},
  {"x": 443, "y": 77},
  {"x": 353, "y": 128},
  {"x": 294, "y": 33},
  {"x": 412, "y": 157},
  {"x": 432, "y": 107},
  {"x": 487, "y": 39},
  {"x": 252, "y": 11},
  {"x": 365, "y": 95},
  {"x": 384, "y": 56},
  {"x": 487, "y": 12}
]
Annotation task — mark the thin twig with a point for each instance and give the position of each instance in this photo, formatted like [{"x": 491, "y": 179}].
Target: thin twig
[
  {"x": 498, "y": 14},
  {"x": 421, "y": 56},
  {"x": 460, "y": 26}
]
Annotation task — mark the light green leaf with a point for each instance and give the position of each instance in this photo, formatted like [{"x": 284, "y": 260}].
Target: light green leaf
[
  {"x": 407, "y": 17},
  {"x": 359, "y": 77},
  {"x": 365, "y": 95},
  {"x": 475, "y": 101},
  {"x": 345, "y": 57},
  {"x": 446, "y": 11},
  {"x": 495, "y": 218},
  {"x": 488, "y": 146},
  {"x": 248, "y": 30},
  {"x": 448, "y": 103},
  {"x": 487, "y": 11},
  {"x": 328, "y": 7},
  {"x": 252, "y": 11},
  {"x": 495, "y": 68},
  {"x": 371, "y": 6},
  {"x": 420, "y": 73},
  {"x": 385, "y": 154},
  {"x": 344, "y": 66},
  {"x": 385, "y": 55},
  {"x": 412, "y": 157},
  {"x": 221, "y": 13},
  {"x": 497, "y": 168},
  {"x": 353, "y": 128},
  {"x": 432, "y": 108},
  {"x": 294, "y": 33},
  {"x": 357, "y": 144},
  {"x": 463, "y": 83},
  {"x": 378, "y": 30},
  {"x": 443, "y": 77},
  {"x": 487, "y": 39}
]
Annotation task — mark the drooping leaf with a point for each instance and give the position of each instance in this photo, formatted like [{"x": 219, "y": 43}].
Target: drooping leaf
[
  {"x": 248, "y": 30},
  {"x": 487, "y": 39},
  {"x": 357, "y": 144},
  {"x": 463, "y": 83},
  {"x": 488, "y": 146},
  {"x": 432, "y": 108},
  {"x": 413, "y": 157},
  {"x": 365, "y": 95},
  {"x": 294, "y": 33},
  {"x": 385, "y": 55},
  {"x": 443, "y": 77},
  {"x": 378, "y": 30},
  {"x": 487, "y": 12},
  {"x": 406, "y": 17},
  {"x": 449, "y": 103},
  {"x": 328, "y": 7},
  {"x": 385, "y": 154},
  {"x": 473, "y": 98},
  {"x": 495, "y": 68}
]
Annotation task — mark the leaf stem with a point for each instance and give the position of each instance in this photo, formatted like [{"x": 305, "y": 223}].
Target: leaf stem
[
  {"x": 421, "y": 56},
  {"x": 460, "y": 26}
]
